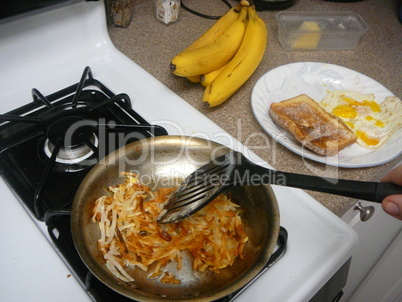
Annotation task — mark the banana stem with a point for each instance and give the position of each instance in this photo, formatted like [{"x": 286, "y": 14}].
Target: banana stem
[
  {"x": 251, "y": 13},
  {"x": 238, "y": 7},
  {"x": 247, "y": 2}
]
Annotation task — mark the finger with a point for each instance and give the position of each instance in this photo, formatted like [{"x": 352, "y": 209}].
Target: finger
[
  {"x": 392, "y": 205},
  {"x": 394, "y": 176}
]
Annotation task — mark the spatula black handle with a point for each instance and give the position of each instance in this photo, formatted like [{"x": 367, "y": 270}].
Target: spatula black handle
[
  {"x": 251, "y": 174},
  {"x": 371, "y": 191}
]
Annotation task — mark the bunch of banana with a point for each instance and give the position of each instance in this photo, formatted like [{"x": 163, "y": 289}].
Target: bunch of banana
[
  {"x": 226, "y": 55},
  {"x": 197, "y": 61}
]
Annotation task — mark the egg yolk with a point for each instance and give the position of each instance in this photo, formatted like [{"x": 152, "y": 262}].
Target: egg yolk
[
  {"x": 374, "y": 106},
  {"x": 344, "y": 111},
  {"x": 378, "y": 123},
  {"x": 350, "y": 101},
  {"x": 367, "y": 140}
]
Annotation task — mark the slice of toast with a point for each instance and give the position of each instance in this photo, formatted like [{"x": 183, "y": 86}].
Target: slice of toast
[{"x": 311, "y": 125}]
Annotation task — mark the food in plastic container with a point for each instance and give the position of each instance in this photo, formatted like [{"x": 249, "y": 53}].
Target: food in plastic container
[{"x": 320, "y": 30}]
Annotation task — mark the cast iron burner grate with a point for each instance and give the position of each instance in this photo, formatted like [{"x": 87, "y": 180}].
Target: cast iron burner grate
[{"x": 54, "y": 141}]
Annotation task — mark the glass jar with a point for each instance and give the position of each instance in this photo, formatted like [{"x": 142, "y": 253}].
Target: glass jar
[
  {"x": 118, "y": 12},
  {"x": 167, "y": 11}
]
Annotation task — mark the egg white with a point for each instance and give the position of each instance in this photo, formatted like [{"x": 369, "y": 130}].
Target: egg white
[{"x": 372, "y": 123}]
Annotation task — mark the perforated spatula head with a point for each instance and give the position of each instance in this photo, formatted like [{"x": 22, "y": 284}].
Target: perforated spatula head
[{"x": 198, "y": 189}]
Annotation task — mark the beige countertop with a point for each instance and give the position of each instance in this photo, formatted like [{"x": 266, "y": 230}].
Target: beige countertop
[{"x": 152, "y": 45}]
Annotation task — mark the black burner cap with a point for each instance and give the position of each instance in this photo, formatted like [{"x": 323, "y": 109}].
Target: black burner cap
[{"x": 71, "y": 129}]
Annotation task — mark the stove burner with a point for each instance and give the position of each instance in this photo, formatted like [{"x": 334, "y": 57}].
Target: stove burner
[
  {"x": 57, "y": 138},
  {"x": 71, "y": 155},
  {"x": 72, "y": 128},
  {"x": 78, "y": 140}
]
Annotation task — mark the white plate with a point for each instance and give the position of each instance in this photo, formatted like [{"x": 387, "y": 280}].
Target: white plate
[{"x": 316, "y": 80}]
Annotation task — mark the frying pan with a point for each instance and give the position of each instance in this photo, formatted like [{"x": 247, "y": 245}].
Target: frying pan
[{"x": 165, "y": 161}]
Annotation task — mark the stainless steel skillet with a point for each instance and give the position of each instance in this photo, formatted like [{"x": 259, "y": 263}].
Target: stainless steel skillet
[{"x": 166, "y": 161}]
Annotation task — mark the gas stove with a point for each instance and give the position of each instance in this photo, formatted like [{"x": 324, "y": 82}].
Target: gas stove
[{"x": 59, "y": 68}]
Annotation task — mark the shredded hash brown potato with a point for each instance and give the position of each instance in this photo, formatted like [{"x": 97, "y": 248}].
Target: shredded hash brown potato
[{"x": 131, "y": 237}]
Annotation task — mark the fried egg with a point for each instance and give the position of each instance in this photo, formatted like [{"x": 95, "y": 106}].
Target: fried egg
[{"x": 373, "y": 123}]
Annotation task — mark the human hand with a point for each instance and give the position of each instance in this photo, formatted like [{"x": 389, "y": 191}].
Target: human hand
[{"x": 393, "y": 204}]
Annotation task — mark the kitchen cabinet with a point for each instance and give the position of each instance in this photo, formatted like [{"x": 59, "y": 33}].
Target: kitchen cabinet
[
  {"x": 376, "y": 267},
  {"x": 384, "y": 283}
]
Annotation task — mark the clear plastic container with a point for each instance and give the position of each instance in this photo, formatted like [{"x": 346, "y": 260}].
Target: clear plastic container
[{"x": 320, "y": 30}]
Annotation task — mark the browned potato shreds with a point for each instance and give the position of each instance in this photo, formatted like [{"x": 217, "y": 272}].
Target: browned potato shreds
[{"x": 131, "y": 237}]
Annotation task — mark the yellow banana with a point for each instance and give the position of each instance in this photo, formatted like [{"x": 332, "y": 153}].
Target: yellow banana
[
  {"x": 218, "y": 28},
  {"x": 215, "y": 31},
  {"x": 204, "y": 59},
  {"x": 206, "y": 79},
  {"x": 194, "y": 79},
  {"x": 244, "y": 63}
]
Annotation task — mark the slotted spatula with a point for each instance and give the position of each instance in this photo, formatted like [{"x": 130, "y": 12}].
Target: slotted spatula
[{"x": 234, "y": 169}]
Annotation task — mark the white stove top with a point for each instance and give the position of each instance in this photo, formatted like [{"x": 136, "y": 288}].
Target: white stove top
[{"x": 49, "y": 52}]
